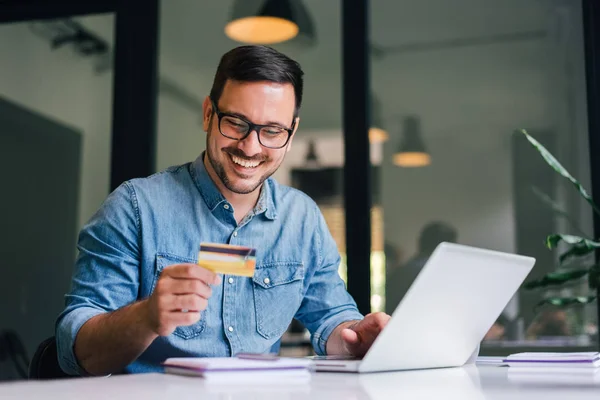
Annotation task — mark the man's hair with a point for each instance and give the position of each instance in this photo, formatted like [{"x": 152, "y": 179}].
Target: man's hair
[
  {"x": 435, "y": 233},
  {"x": 256, "y": 64}
]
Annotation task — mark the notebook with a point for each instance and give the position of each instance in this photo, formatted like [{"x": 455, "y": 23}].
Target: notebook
[
  {"x": 489, "y": 360},
  {"x": 239, "y": 369},
  {"x": 554, "y": 360}
]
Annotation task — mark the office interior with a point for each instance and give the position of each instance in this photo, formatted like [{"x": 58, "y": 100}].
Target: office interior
[{"x": 433, "y": 144}]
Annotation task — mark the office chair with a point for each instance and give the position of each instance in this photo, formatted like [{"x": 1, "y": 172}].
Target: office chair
[
  {"x": 13, "y": 352},
  {"x": 44, "y": 364}
]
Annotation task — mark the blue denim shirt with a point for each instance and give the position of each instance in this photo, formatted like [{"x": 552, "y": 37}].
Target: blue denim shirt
[{"x": 147, "y": 224}]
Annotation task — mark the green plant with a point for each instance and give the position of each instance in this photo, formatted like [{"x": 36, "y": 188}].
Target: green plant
[{"x": 571, "y": 268}]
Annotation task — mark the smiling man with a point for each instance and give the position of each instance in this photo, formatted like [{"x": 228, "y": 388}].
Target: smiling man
[{"x": 136, "y": 269}]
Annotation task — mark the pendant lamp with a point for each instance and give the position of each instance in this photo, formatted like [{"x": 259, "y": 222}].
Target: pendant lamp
[
  {"x": 412, "y": 152},
  {"x": 377, "y": 133},
  {"x": 269, "y": 22}
]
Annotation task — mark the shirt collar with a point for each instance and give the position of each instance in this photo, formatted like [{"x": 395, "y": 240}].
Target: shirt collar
[
  {"x": 211, "y": 195},
  {"x": 266, "y": 201}
]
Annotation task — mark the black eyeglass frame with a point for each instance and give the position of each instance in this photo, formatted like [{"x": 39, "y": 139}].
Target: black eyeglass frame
[{"x": 251, "y": 127}]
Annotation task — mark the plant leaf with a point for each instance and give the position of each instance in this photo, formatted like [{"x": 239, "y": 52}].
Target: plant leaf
[
  {"x": 549, "y": 202},
  {"x": 565, "y": 301},
  {"x": 575, "y": 251},
  {"x": 554, "y": 206},
  {"x": 579, "y": 246},
  {"x": 553, "y": 240},
  {"x": 556, "y": 278},
  {"x": 553, "y": 162}
]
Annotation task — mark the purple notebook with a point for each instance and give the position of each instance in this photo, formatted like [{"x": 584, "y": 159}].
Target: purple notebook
[{"x": 583, "y": 359}]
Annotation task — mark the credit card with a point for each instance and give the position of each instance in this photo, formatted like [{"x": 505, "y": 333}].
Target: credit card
[{"x": 227, "y": 259}]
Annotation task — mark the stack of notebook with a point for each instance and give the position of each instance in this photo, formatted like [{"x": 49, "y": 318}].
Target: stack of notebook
[
  {"x": 556, "y": 369},
  {"x": 588, "y": 360},
  {"x": 237, "y": 369}
]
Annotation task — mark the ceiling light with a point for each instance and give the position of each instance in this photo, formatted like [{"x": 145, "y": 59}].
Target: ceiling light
[
  {"x": 312, "y": 159},
  {"x": 269, "y": 22},
  {"x": 412, "y": 151},
  {"x": 377, "y": 133}
]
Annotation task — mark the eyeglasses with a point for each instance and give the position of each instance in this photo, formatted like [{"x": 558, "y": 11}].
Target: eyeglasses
[{"x": 237, "y": 128}]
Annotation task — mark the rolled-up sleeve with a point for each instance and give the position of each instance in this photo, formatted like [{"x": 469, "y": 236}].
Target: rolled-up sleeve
[
  {"x": 106, "y": 273},
  {"x": 326, "y": 303}
]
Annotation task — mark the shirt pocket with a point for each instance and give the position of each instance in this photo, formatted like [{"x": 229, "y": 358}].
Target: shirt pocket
[
  {"x": 163, "y": 260},
  {"x": 277, "y": 296}
]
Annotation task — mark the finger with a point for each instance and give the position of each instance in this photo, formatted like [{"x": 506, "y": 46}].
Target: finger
[
  {"x": 380, "y": 320},
  {"x": 350, "y": 337},
  {"x": 188, "y": 286},
  {"x": 184, "y": 318},
  {"x": 192, "y": 271},
  {"x": 188, "y": 302},
  {"x": 366, "y": 330},
  {"x": 374, "y": 323},
  {"x": 368, "y": 333}
]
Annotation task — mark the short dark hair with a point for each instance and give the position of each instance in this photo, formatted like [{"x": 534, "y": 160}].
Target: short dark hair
[
  {"x": 254, "y": 64},
  {"x": 435, "y": 233}
]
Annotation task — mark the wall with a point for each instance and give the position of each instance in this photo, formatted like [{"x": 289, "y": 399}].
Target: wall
[
  {"x": 65, "y": 86},
  {"x": 180, "y": 137},
  {"x": 468, "y": 188},
  {"x": 62, "y": 85},
  {"x": 39, "y": 213}
]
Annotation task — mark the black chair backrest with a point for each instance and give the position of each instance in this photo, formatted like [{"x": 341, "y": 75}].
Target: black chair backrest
[
  {"x": 44, "y": 364},
  {"x": 12, "y": 352}
]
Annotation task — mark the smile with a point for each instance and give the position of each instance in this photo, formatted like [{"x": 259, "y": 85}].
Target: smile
[{"x": 244, "y": 163}]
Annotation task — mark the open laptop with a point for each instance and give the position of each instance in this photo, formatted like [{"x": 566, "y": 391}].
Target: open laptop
[{"x": 455, "y": 299}]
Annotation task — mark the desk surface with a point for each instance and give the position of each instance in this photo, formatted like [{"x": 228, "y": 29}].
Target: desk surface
[{"x": 483, "y": 382}]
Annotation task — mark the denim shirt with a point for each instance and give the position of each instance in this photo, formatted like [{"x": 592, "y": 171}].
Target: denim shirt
[{"x": 149, "y": 223}]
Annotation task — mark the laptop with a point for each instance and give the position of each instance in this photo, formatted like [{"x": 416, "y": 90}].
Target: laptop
[{"x": 453, "y": 302}]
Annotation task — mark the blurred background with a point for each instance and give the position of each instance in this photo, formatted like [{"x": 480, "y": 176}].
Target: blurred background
[{"x": 449, "y": 84}]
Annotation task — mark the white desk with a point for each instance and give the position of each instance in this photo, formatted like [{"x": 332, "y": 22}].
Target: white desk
[{"x": 483, "y": 382}]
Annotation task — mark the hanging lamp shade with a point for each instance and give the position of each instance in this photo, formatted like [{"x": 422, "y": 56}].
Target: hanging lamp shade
[
  {"x": 412, "y": 151},
  {"x": 377, "y": 133},
  {"x": 269, "y": 22},
  {"x": 312, "y": 159},
  {"x": 306, "y": 29}
]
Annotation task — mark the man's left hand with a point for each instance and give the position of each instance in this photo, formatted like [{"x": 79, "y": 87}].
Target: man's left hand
[{"x": 358, "y": 337}]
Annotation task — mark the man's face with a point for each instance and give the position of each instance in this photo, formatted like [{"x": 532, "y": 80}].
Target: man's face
[{"x": 243, "y": 165}]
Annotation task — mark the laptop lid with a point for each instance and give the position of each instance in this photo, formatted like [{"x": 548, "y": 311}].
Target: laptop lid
[{"x": 448, "y": 309}]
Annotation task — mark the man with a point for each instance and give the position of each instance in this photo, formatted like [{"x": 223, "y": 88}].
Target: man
[
  {"x": 401, "y": 277},
  {"x": 137, "y": 295}
]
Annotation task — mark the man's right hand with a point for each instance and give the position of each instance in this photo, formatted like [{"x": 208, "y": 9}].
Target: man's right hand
[{"x": 181, "y": 293}]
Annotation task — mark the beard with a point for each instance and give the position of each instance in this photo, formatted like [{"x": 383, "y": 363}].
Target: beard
[{"x": 219, "y": 167}]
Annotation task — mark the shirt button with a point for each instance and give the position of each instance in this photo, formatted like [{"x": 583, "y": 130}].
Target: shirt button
[
  {"x": 234, "y": 233},
  {"x": 267, "y": 281},
  {"x": 226, "y": 206},
  {"x": 230, "y": 280},
  {"x": 230, "y": 329}
]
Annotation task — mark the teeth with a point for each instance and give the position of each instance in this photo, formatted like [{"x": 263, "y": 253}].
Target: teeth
[{"x": 245, "y": 163}]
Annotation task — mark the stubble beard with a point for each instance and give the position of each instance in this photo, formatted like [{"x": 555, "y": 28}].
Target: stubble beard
[{"x": 219, "y": 169}]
